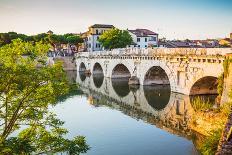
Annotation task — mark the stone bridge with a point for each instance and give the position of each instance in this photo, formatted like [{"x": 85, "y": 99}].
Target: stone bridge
[{"x": 187, "y": 71}]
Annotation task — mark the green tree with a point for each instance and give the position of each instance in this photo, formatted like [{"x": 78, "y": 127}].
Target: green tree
[
  {"x": 74, "y": 40},
  {"x": 27, "y": 87},
  {"x": 115, "y": 38}
]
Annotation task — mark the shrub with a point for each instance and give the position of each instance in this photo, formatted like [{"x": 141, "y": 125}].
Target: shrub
[
  {"x": 210, "y": 144},
  {"x": 220, "y": 84},
  {"x": 226, "y": 108},
  {"x": 200, "y": 104}
]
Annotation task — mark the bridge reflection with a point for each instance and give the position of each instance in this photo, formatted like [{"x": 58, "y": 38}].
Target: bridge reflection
[
  {"x": 156, "y": 105},
  {"x": 157, "y": 96}
]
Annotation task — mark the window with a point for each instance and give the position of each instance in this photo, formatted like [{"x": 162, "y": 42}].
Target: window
[
  {"x": 138, "y": 45},
  {"x": 145, "y": 39},
  {"x": 98, "y": 45},
  {"x": 89, "y": 45},
  {"x": 96, "y": 31},
  {"x": 138, "y": 39},
  {"x": 145, "y": 45},
  {"x": 153, "y": 39}
]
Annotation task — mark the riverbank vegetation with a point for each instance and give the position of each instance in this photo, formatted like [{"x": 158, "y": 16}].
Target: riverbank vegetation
[
  {"x": 28, "y": 86},
  {"x": 209, "y": 119}
]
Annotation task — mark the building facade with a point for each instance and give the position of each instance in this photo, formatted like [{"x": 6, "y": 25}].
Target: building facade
[
  {"x": 143, "y": 38},
  {"x": 92, "y": 35}
]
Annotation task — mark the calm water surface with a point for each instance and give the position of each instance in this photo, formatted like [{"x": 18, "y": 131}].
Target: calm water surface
[{"x": 117, "y": 119}]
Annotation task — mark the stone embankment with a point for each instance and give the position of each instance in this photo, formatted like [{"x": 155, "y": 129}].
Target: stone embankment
[{"x": 225, "y": 144}]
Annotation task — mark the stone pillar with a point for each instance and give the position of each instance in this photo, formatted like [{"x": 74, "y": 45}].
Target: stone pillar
[
  {"x": 88, "y": 70},
  {"x": 134, "y": 80}
]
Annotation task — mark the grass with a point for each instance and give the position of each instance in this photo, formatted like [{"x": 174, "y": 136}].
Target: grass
[
  {"x": 210, "y": 144},
  {"x": 200, "y": 104},
  {"x": 226, "y": 108}
]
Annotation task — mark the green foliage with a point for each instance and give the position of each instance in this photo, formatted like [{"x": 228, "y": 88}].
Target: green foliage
[
  {"x": 226, "y": 65},
  {"x": 115, "y": 38},
  {"x": 200, "y": 104},
  {"x": 6, "y": 38},
  {"x": 15, "y": 145},
  {"x": 210, "y": 144},
  {"x": 53, "y": 39},
  {"x": 220, "y": 84},
  {"x": 74, "y": 39},
  {"x": 226, "y": 108},
  {"x": 28, "y": 86}
]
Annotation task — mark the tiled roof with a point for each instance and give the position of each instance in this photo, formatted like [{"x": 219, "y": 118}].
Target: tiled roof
[
  {"x": 142, "y": 32},
  {"x": 102, "y": 26}
]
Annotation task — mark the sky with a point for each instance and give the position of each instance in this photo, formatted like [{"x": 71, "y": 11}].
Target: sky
[{"x": 172, "y": 19}]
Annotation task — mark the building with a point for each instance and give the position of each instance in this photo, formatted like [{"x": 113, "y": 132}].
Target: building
[
  {"x": 49, "y": 32},
  {"x": 92, "y": 35},
  {"x": 143, "y": 38},
  {"x": 226, "y": 42}
]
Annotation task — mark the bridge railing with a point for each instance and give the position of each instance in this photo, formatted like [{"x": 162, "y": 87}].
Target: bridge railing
[{"x": 159, "y": 51}]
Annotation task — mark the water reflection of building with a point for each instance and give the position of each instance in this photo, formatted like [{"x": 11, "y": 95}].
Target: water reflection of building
[{"x": 155, "y": 105}]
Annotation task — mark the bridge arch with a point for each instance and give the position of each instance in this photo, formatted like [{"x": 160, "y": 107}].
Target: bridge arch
[
  {"x": 97, "y": 69},
  {"x": 206, "y": 85},
  {"x": 163, "y": 66},
  {"x": 120, "y": 71},
  {"x": 82, "y": 67},
  {"x": 156, "y": 76}
]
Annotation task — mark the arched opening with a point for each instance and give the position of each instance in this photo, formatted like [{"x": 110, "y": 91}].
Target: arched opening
[
  {"x": 156, "y": 76},
  {"x": 157, "y": 96},
  {"x": 82, "y": 76},
  {"x": 205, "y": 86},
  {"x": 98, "y": 75},
  {"x": 82, "y": 67},
  {"x": 98, "y": 80},
  {"x": 121, "y": 87},
  {"x": 121, "y": 71},
  {"x": 97, "y": 69}
]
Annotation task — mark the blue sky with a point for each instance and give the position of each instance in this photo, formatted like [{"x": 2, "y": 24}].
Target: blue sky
[{"x": 173, "y": 19}]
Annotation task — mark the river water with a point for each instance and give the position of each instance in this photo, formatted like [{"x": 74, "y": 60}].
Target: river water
[{"x": 117, "y": 119}]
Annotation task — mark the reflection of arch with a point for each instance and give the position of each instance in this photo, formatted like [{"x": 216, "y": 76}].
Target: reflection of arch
[
  {"x": 121, "y": 87},
  {"x": 98, "y": 80},
  {"x": 156, "y": 75},
  {"x": 157, "y": 96},
  {"x": 205, "y": 85},
  {"x": 121, "y": 71},
  {"x": 82, "y": 67},
  {"x": 97, "y": 69},
  {"x": 82, "y": 76}
]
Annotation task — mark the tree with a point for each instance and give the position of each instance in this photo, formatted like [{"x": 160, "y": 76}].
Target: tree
[
  {"x": 40, "y": 37},
  {"x": 115, "y": 38},
  {"x": 27, "y": 87},
  {"x": 74, "y": 40}
]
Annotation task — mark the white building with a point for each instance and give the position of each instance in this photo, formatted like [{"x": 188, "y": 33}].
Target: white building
[
  {"x": 144, "y": 38},
  {"x": 92, "y": 35}
]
